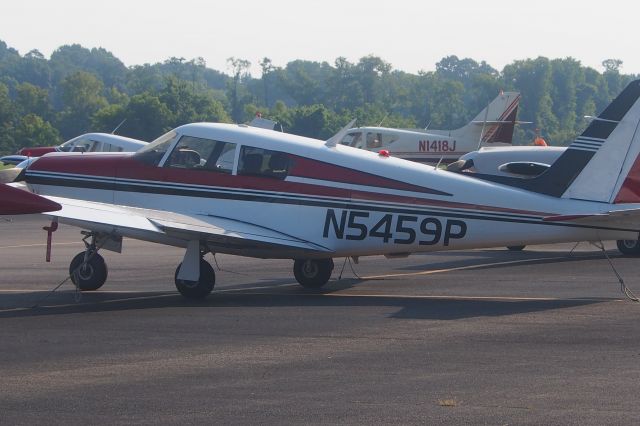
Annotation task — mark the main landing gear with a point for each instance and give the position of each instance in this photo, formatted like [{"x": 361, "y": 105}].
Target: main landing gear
[
  {"x": 87, "y": 269},
  {"x": 197, "y": 289},
  {"x": 312, "y": 273},
  {"x": 629, "y": 247}
]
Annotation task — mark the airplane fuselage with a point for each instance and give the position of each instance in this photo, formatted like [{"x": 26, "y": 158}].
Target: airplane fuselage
[{"x": 349, "y": 201}]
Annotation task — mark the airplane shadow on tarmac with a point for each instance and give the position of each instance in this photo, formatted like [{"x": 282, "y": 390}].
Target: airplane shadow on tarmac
[
  {"x": 437, "y": 308},
  {"x": 470, "y": 259}
]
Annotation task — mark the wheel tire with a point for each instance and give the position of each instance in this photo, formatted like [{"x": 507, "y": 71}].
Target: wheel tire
[
  {"x": 197, "y": 289},
  {"x": 312, "y": 273},
  {"x": 516, "y": 248},
  {"x": 629, "y": 247},
  {"x": 90, "y": 276}
]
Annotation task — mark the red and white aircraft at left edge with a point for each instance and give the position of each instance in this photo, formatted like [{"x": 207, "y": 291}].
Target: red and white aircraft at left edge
[{"x": 222, "y": 188}]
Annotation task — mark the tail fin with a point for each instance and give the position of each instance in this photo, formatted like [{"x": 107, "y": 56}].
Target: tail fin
[
  {"x": 602, "y": 163},
  {"x": 493, "y": 124},
  {"x": 608, "y": 148}
]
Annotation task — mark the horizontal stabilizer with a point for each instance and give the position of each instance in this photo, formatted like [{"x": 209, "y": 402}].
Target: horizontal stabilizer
[{"x": 619, "y": 219}]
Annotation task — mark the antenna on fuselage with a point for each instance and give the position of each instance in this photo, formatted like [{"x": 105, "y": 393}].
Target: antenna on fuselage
[
  {"x": 113, "y": 132},
  {"x": 439, "y": 161},
  {"x": 382, "y": 121}
]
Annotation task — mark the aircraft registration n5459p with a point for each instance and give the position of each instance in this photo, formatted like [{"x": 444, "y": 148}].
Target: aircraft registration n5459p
[{"x": 223, "y": 188}]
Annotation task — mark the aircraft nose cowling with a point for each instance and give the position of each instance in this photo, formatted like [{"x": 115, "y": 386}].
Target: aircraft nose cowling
[{"x": 16, "y": 201}]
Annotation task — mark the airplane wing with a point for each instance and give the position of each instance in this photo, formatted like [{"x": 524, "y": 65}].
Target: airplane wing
[
  {"x": 628, "y": 220},
  {"x": 223, "y": 235}
]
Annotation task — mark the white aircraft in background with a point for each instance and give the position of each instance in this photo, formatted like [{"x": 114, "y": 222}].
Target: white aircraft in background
[
  {"x": 494, "y": 125},
  {"x": 223, "y": 188},
  {"x": 88, "y": 142}
]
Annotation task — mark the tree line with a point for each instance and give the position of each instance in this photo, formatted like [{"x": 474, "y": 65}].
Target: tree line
[{"x": 79, "y": 90}]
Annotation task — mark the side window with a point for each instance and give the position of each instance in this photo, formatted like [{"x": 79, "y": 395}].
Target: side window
[
  {"x": 388, "y": 138},
  {"x": 107, "y": 147},
  {"x": 263, "y": 162},
  {"x": 374, "y": 140},
  {"x": 202, "y": 154},
  {"x": 94, "y": 146}
]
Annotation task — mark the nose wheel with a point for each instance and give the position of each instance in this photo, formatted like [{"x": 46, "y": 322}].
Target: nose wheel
[{"x": 312, "y": 273}]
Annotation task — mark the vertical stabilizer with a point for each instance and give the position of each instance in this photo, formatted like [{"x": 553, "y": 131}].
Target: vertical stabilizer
[
  {"x": 602, "y": 163},
  {"x": 611, "y": 144},
  {"x": 494, "y": 124}
]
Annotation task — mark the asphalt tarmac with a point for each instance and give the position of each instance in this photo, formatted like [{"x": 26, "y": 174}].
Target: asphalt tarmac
[{"x": 542, "y": 336}]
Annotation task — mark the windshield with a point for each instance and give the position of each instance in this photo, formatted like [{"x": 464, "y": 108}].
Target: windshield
[
  {"x": 155, "y": 151},
  {"x": 66, "y": 147}
]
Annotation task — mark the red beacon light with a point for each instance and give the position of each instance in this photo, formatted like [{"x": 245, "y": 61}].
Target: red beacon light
[{"x": 384, "y": 153}]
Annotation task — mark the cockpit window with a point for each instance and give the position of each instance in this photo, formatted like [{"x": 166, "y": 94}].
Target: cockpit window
[
  {"x": 353, "y": 139},
  {"x": 263, "y": 162},
  {"x": 202, "y": 154},
  {"x": 69, "y": 145},
  {"x": 152, "y": 153}
]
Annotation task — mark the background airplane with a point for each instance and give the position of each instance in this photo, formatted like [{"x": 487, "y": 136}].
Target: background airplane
[
  {"x": 88, "y": 142},
  {"x": 494, "y": 125},
  {"x": 222, "y": 188}
]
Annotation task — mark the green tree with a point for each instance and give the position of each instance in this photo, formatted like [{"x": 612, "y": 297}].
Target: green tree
[
  {"x": 146, "y": 117},
  {"x": 267, "y": 68},
  {"x": 7, "y": 117},
  {"x": 240, "y": 71},
  {"x": 32, "y": 130},
  {"x": 33, "y": 99},
  {"x": 188, "y": 105},
  {"x": 82, "y": 97}
]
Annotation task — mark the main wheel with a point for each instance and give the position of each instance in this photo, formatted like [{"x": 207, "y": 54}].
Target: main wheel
[
  {"x": 312, "y": 273},
  {"x": 629, "y": 247},
  {"x": 516, "y": 248},
  {"x": 88, "y": 276},
  {"x": 197, "y": 289}
]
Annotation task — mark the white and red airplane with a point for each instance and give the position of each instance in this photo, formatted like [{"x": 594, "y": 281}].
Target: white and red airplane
[
  {"x": 222, "y": 188},
  {"x": 493, "y": 126}
]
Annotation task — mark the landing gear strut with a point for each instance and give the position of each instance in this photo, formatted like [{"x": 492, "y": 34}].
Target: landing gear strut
[
  {"x": 312, "y": 273},
  {"x": 87, "y": 269}
]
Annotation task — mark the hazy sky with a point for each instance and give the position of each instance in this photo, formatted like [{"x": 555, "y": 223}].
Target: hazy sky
[{"x": 411, "y": 35}]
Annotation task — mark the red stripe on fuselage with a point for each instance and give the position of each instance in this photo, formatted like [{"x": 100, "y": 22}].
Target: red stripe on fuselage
[
  {"x": 307, "y": 168},
  {"x": 630, "y": 190},
  {"x": 127, "y": 167}
]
